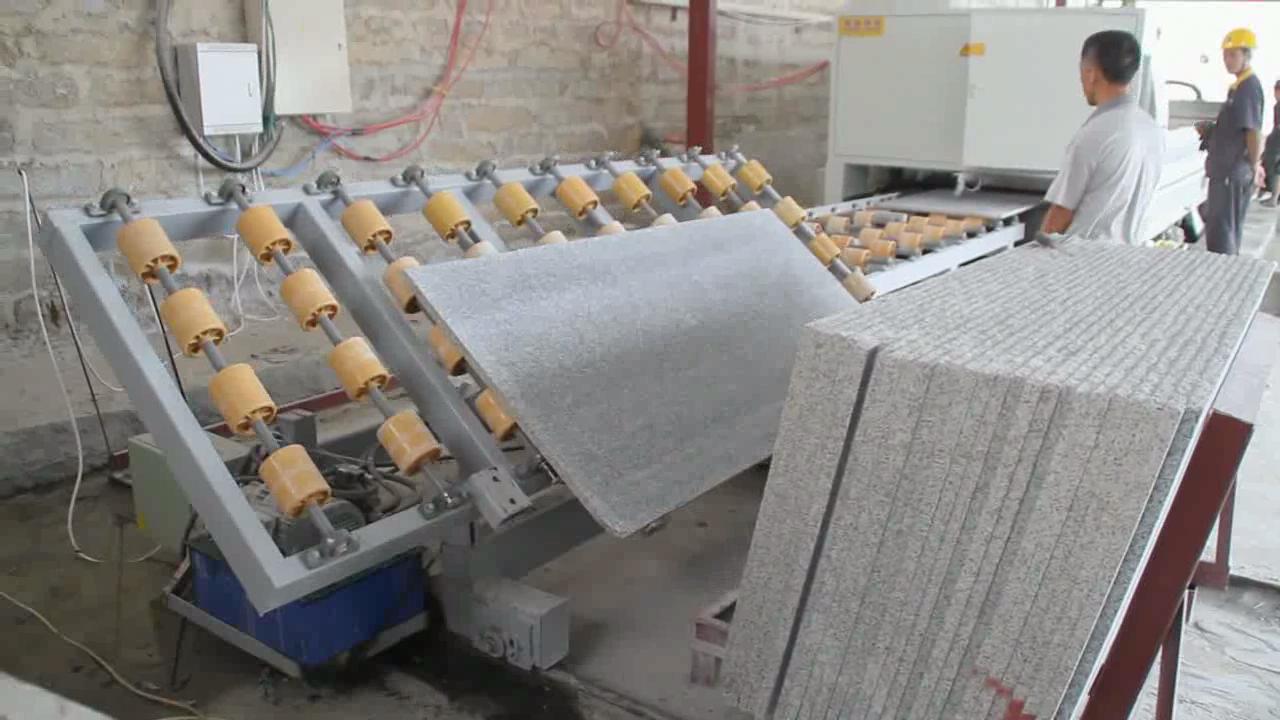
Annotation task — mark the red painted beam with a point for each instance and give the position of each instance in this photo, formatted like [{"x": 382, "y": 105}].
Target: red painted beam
[
  {"x": 1170, "y": 656},
  {"x": 1217, "y": 574},
  {"x": 1176, "y": 554},
  {"x": 700, "y": 102}
]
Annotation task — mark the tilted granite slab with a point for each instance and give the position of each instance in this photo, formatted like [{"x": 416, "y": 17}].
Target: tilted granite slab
[{"x": 646, "y": 367}]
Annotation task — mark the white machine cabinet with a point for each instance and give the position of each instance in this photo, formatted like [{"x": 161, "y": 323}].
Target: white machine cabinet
[
  {"x": 959, "y": 91},
  {"x": 1025, "y": 100}
]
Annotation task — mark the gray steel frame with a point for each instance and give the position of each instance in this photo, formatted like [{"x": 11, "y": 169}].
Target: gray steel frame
[
  {"x": 909, "y": 271},
  {"x": 71, "y": 239}
]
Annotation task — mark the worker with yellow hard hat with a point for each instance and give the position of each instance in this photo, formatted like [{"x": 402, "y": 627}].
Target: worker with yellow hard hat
[{"x": 1234, "y": 165}]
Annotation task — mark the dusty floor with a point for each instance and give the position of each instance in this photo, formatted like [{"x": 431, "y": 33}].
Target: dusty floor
[{"x": 420, "y": 679}]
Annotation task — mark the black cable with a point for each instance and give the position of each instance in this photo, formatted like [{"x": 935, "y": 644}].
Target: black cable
[
  {"x": 272, "y": 127},
  {"x": 75, "y": 335},
  {"x": 84, "y": 365},
  {"x": 168, "y": 348}
]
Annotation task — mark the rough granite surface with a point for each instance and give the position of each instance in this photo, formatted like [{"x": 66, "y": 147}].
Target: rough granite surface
[
  {"x": 646, "y": 367},
  {"x": 1017, "y": 438}
]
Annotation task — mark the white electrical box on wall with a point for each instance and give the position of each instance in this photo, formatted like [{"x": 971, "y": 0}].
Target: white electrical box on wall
[
  {"x": 219, "y": 85},
  {"x": 313, "y": 75}
]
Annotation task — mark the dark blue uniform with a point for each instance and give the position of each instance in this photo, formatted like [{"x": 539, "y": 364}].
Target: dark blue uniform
[{"x": 1229, "y": 170}]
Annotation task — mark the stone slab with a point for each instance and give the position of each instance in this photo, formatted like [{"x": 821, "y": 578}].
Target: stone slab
[
  {"x": 1090, "y": 408},
  {"x": 646, "y": 367}
]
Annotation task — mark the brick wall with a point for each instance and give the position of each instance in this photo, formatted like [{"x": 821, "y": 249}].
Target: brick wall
[{"x": 84, "y": 110}]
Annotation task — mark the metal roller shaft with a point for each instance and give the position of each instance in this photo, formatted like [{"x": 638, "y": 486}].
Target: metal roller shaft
[{"x": 644, "y": 204}]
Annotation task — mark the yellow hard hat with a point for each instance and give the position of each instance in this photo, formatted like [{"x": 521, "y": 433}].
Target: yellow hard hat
[{"x": 1240, "y": 38}]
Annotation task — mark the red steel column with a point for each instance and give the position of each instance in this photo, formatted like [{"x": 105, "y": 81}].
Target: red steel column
[
  {"x": 1170, "y": 656},
  {"x": 700, "y": 104},
  {"x": 1162, "y": 588}
]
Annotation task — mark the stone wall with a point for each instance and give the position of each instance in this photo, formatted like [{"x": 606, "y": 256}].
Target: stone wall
[{"x": 84, "y": 110}]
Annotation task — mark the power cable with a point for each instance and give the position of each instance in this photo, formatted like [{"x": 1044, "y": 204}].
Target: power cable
[
  {"x": 624, "y": 19},
  {"x": 62, "y": 387},
  {"x": 272, "y": 126},
  {"x": 66, "y": 310},
  {"x": 192, "y": 712}
]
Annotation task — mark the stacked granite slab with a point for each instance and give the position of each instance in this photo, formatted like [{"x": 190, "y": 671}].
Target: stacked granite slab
[{"x": 967, "y": 476}]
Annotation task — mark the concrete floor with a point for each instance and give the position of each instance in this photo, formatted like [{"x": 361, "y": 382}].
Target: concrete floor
[{"x": 632, "y": 604}]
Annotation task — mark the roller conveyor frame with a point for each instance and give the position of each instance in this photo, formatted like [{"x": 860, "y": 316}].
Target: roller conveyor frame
[
  {"x": 906, "y": 272},
  {"x": 73, "y": 237}
]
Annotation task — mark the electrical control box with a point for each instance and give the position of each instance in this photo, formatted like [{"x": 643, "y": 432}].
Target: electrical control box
[
  {"x": 220, "y": 87},
  {"x": 308, "y": 39},
  {"x": 159, "y": 503}
]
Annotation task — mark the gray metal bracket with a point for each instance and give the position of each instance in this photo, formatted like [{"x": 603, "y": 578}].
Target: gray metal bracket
[{"x": 497, "y": 496}]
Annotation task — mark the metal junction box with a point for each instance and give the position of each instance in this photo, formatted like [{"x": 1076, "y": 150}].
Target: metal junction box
[
  {"x": 220, "y": 86},
  {"x": 161, "y": 506}
]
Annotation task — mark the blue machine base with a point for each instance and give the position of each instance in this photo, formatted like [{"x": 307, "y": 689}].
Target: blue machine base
[{"x": 315, "y": 629}]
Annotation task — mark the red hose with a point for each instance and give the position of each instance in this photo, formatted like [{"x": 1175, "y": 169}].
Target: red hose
[{"x": 624, "y": 20}]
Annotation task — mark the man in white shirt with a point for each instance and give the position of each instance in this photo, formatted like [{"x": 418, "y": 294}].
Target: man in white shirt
[{"x": 1113, "y": 162}]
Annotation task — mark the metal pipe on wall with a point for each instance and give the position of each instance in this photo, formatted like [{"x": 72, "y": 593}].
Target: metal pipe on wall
[{"x": 700, "y": 102}]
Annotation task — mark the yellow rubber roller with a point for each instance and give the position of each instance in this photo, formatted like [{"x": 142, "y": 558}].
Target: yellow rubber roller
[
  {"x": 240, "y": 398},
  {"x": 841, "y": 241},
  {"x": 613, "y": 228},
  {"x": 855, "y": 257},
  {"x": 192, "y": 320},
  {"x": 870, "y": 235},
  {"x": 750, "y": 206},
  {"x": 718, "y": 181},
  {"x": 400, "y": 285},
  {"x": 754, "y": 176},
  {"x": 408, "y": 441},
  {"x": 367, "y": 226},
  {"x": 938, "y": 219},
  {"x": 824, "y": 249},
  {"x": 932, "y": 236},
  {"x": 515, "y": 203},
  {"x": 357, "y": 368},
  {"x": 494, "y": 414},
  {"x": 262, "y": 231},
  {"x": 910, "y": 244},
  {"x": 576, "y": 195},
  {"x": 446, "y": 215},
  {"x": 789, "y": 211},
  {"x": 631, "y": 191},
  {"x": 555, "y": 237},
  {"x": 663, "y": 219},
  {"x": 710, "y": 211},
  {"x": 974, "y": 224},
  {"x": 449, "y": 354},
  {"x": 954, "y": 229},
  {"x": 677, "y": 185},
  {"x": 894, "y": 230},
  {"x": 294, "y": 480},
  {"x": 480, "y": 249},
  {"x": 308, "y": 298},
  {"x": 859, "y": 286},
  {"x": 146, "y": 246},
  {"x": 864, "y": 218},
  {"x": 883, "y": 250},
  {"x": 917, "y": 223},
  {"x": 838, "y": 224}
]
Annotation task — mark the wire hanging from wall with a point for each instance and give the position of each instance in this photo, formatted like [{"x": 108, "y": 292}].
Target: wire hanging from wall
[
  {"x": 609, "y": 33},
  {"x": 428, "y": 111}
]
